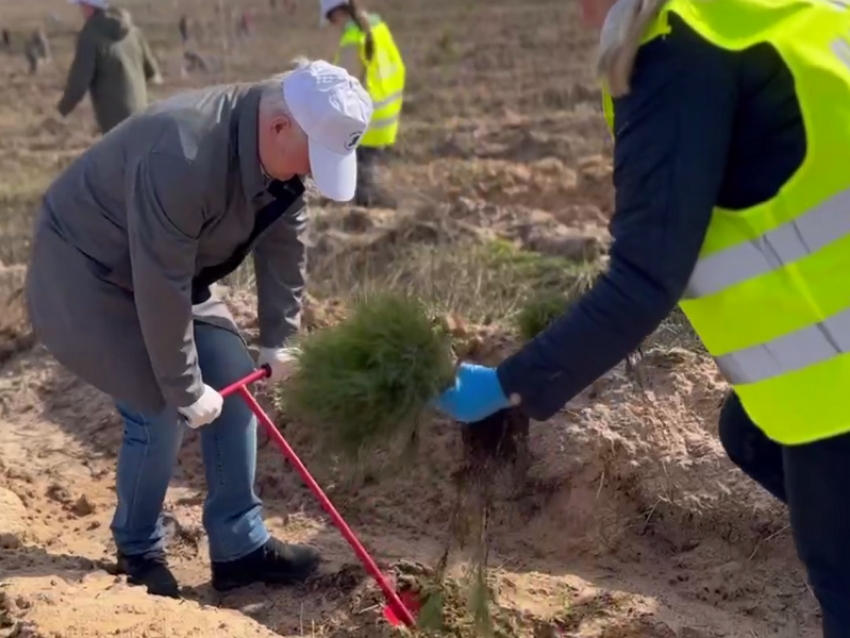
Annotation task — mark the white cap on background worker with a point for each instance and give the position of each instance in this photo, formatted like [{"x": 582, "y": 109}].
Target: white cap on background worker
[
  {"x": 326, "y": 6},
  {"x": 333, "y": 109},
  {"x": 97, "y": 4}
]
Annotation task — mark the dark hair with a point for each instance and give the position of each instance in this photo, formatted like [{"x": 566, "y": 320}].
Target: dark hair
[{"x": 358, "y": 15}]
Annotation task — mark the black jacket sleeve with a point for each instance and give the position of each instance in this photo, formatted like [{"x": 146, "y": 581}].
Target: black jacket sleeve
[{"x": 673, "y": 134}]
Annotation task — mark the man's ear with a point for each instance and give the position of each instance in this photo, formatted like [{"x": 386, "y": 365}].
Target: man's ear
[{"x": 281, "y": 124}]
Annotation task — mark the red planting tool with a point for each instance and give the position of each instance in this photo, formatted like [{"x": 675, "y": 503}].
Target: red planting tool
[{"x": 396, "y": 611}]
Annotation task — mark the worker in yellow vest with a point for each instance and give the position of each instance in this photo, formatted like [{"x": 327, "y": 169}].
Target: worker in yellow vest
[
  {"x": 731, "y": 121},
  {"x": 369, "y": 53}
]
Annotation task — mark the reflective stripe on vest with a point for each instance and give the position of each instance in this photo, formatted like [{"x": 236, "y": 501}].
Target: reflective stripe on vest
[
  {"x": 387, "y": 101},
  {"x": 384, "y": 123},
  {"x": 779, "y": 247},
  {"x": 794, "y": 351},
  {"x": 770, "y": 293},
  {"x": 385, "y": 77}
]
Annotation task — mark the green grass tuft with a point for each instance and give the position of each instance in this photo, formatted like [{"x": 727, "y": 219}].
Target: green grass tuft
[
  {"x": 365, "y": 382},
  {"x": 537, "y": 271},
  {"x": 538, "y": 313},
  {"x": 555, "y": 285}
]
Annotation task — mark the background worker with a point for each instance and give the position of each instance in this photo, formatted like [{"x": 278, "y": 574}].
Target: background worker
[
  {"x": 368, "y": 52},
  {"x": 183, "y": 29},
  {"x": 130, "y": 239},
  {"x": 113, "y": 62},
  {"x": 37, "y": 50},
  {"x": 732, "y": 138}
]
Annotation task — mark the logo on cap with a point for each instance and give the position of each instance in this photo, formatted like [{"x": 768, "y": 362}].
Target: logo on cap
[{"x": 353, "y": 139}]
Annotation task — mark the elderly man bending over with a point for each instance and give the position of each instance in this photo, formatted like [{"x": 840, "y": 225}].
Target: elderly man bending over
[{"x": 129, "y": 240}]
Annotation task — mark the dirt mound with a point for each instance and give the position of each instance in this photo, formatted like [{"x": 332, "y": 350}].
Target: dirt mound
[
  {"x": 516, "y": 136},
  {"x": 650, "y": 445},
  {"x": 544, "y": 206},
  {"x": 96, "y": 605},
  {"x": 572, "y": 193},
  {"x": 15, "y": 520},
  {"x": 582, "y": 611},
  {"x": 361, "y": 239}
]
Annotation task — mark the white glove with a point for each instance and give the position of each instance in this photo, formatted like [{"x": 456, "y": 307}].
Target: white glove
[
  {"x": 282, "y": 361},
  {"x": 203, "y": 411}
]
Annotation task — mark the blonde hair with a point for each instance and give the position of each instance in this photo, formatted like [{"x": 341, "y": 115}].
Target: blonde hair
[{"x": 620, "y": 40}]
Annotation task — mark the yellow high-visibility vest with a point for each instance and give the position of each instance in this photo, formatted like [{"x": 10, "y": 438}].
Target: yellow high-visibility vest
[
  {"x": 770, "y": 293},
  {"x": 385, "y": 75}
]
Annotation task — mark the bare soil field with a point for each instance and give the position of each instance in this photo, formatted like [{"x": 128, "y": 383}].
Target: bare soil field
[{"x": 630, "y": 523}]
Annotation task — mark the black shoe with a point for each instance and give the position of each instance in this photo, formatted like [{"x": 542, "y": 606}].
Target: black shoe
[
  {"x": 274, "y": 563},
  {"x": 150, "y": 570}
]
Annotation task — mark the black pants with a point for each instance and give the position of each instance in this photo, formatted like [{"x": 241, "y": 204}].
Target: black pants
[
  {"x": 368, "y": 159},
  {"x": 814, "y": 481}
]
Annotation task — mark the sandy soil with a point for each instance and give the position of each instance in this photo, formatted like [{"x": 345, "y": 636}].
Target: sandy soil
[{"x": 631, "y": 523}]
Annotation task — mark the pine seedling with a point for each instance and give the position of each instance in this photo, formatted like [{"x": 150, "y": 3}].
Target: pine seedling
[{"x": 367, "y": 381}]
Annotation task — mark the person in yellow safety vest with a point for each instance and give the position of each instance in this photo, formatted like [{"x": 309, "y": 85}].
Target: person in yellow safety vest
[
  {"x": 368, "y": 52},
  {"x": 731, "y": 122}
]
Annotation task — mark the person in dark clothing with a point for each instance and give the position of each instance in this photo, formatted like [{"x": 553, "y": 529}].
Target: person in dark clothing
[
  {"x": 37, "y": 50},
  {"x": 369, "y": 159},
  {"x": 194, "y": 62},
  {"x": 244, "y": 25},
  {"x": 183, "y": 28},
  {"x": 706, "y": 129},
  {"x": 112, "y": 62}
]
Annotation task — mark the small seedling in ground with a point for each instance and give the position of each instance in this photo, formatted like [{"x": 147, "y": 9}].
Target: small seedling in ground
[
  {"x": 556, "y": 284},
  {"x": 539, "y": 313}
]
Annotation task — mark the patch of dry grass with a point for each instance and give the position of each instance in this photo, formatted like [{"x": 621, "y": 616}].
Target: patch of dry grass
[
  {"x": 15, "y": 331},
  {"x": 485, "y": 283},
  {"x": 18, "y": 203},
  {"x": 675, "y": 332}
]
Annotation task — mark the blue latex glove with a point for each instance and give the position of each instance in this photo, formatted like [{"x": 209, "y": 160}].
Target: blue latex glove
[{"x": 476, "y": 394}]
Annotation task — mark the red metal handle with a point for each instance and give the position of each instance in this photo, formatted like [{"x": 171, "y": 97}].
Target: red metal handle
[
  {"x": 263, "y": 372},
  {"x": 240, "y": 387}
]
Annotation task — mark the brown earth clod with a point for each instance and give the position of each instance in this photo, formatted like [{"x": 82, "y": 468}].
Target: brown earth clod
[{"x": 501, "y": 438}]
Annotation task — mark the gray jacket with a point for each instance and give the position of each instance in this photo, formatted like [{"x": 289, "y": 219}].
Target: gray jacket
[
  {"x": 113, "y": 63},
  {"x": 133, "y": 233}
]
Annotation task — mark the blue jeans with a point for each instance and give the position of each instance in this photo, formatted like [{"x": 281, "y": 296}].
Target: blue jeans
[
  {"x": 232, "y": 511},
  {"x": 814, "y": 481}
]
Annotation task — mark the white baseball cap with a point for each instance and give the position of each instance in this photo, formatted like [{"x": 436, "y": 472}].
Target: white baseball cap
[
  {"x": 97, "y": 4},
  {"x": 334, "y": 110},
  {"x": 326, "y": 6}
]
